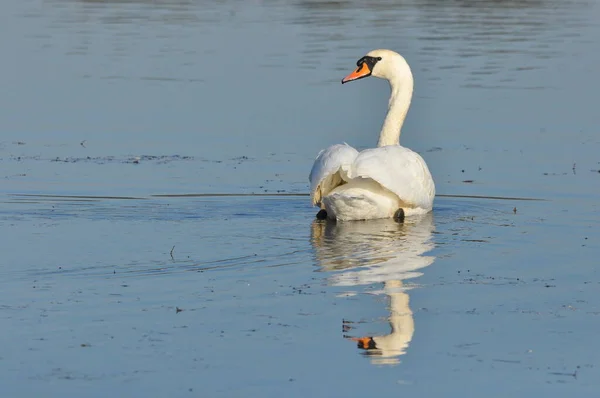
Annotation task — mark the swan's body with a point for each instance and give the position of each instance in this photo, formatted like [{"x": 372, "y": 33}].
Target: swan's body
[{"x": 377, "y": 182}]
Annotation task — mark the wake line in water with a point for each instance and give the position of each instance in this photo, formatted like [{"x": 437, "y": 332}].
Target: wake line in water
[
  {"x": 306, "y": 194},
  {"x": 216, "y": 195}
]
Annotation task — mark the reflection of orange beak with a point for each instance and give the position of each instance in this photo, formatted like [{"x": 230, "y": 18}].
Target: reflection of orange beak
[
  {"x": 359, "y": 73},
  {"x": 364, "y": 342}
]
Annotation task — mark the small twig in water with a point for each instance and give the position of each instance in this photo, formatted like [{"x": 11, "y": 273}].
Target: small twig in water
[
  {"x": 515, "y": 210},
  {"x": 173, "y": 248},
  {"x": 573, "y": 375},
  {"x": 574, "y": 166},
  {"x": 82, "y": 143}
]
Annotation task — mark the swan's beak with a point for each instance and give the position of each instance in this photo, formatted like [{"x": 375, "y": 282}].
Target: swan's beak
[
  {"x": 366, "y": 343},
  {"x": 360, "y": 72}
]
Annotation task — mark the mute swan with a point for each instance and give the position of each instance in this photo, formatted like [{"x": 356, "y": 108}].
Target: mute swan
[{"x": 383, "y": 182}]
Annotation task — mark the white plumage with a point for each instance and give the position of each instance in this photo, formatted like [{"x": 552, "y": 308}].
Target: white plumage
[{"x": 375, "y": 183}]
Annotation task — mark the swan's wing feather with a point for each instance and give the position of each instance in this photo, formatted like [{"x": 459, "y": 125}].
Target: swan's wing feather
[
  {"x": 325, "y": 174},
  {"x": 398, "y": 169}
]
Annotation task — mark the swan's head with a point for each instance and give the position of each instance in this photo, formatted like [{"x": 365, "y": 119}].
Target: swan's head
[{"x": 385, "y": 64}]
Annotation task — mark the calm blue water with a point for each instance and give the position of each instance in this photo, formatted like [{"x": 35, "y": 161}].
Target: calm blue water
[{"x": 133, "y": 99}]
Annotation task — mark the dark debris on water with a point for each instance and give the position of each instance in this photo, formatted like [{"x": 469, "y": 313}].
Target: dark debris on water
[
  {"x": 113, "y": 159},
  {"x": 160, "y": 159}
]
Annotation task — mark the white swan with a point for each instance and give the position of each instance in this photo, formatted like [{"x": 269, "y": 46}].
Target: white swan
[{"x": 383, "y": 182}]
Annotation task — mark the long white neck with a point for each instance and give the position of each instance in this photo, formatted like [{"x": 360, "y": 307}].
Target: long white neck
[{"x": 397, "y": 110}]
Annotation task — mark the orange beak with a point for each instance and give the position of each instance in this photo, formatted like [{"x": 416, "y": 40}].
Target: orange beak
[{"x": 360, "y": 72}]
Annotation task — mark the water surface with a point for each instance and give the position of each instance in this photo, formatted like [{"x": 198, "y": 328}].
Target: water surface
[{"x": 108, "y": 288}]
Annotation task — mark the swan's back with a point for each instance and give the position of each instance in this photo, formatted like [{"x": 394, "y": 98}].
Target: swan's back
[{"x": 399, "y": 170}]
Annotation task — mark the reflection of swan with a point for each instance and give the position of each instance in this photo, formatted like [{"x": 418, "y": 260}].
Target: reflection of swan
[
  {"x": 378, "y": 251},
  {"x": 383, "y": 182},
  {"x": 392, "y": 345}
]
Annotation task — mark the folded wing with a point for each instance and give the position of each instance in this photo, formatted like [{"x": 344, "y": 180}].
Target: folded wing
[
  {"x": 399, "y": 170},
  {"x": 329, "y": 170}
]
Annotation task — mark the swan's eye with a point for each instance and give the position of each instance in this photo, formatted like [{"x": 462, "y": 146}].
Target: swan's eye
[{"x": 378, "y": 58}]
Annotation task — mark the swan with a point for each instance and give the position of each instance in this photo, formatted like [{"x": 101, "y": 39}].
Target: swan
[{"x": 389, "y": 181}]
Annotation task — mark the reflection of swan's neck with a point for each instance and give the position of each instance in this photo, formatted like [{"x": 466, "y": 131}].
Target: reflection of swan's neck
[
  {"x": 397, "y": 110},
  {"x": 402, "y": 323},
  {"x": 401, "y": 319}
]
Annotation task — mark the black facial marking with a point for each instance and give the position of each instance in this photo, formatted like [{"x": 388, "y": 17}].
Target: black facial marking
[{"x": 370, "y": 61}]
